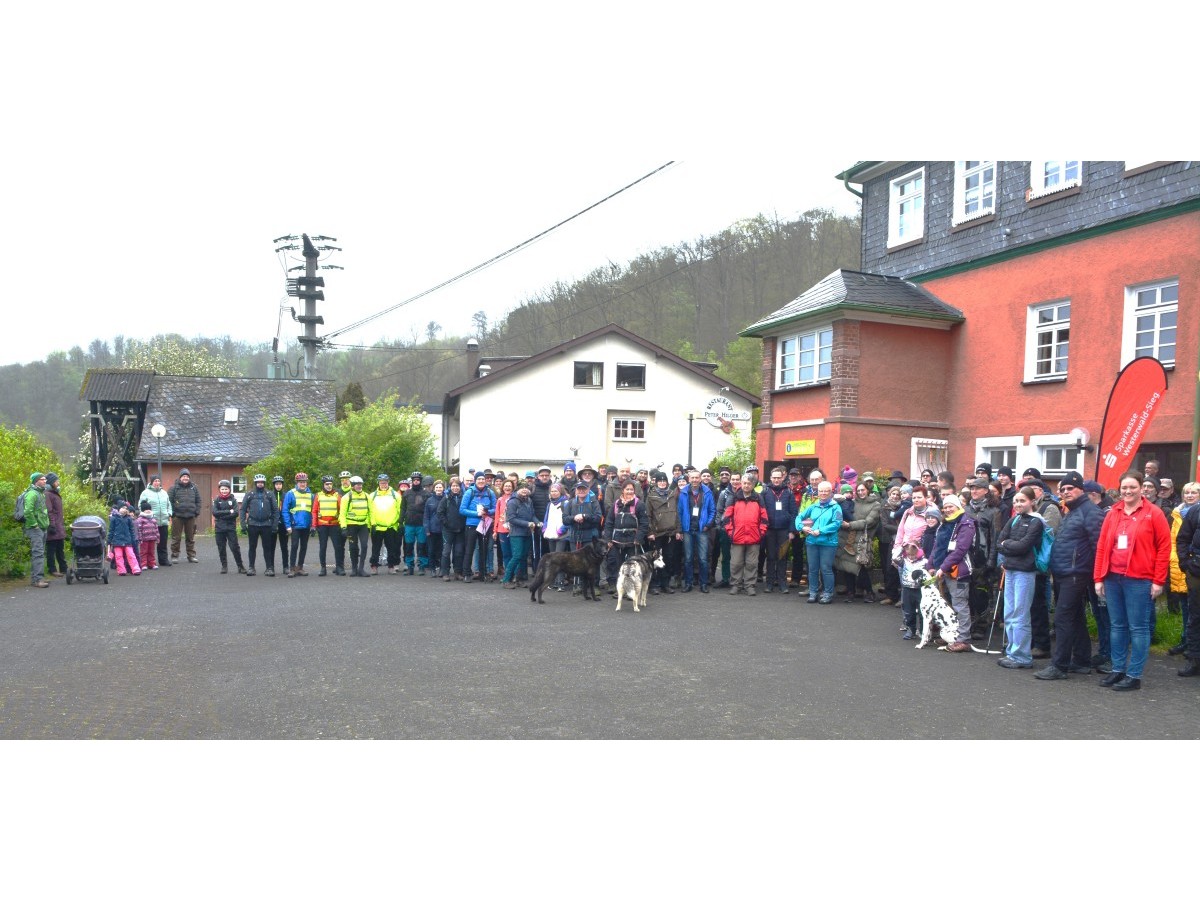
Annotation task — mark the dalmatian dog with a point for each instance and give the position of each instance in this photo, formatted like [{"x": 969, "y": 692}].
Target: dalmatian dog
[
  {"x": 936, "y": 614},
  {"x": 633, "y": 578}
]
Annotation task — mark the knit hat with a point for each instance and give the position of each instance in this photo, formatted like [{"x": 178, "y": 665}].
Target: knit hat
[
  {"x": 51, "y": 479},
  {"x": 848, "y": 474},
  {"x": 1093, "y": 487},
  {"x": 1004, "y": 470},
  {"x": 1071, "y": 479},
  {"x": 34, "y": 477},
  {"x": 952, "y": 500},
  {"x": 984, "y": 467},
  {"x": 568, "y": 467}
]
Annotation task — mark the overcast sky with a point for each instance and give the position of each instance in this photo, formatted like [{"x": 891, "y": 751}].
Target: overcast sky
[{"x": 154, "y": 151}]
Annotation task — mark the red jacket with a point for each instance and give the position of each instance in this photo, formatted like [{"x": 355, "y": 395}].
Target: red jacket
[
  {"x": 745, "y": 519},
  {"x": 1149, "y": 547}
]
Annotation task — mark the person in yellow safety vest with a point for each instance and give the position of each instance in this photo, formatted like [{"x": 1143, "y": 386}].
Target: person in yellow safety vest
[
  {"x": 297, "y": 518},
  {"x": 385, "y": 525},
  {"x": 355, "y": 519},
  {"x": 327, "y": 508}
]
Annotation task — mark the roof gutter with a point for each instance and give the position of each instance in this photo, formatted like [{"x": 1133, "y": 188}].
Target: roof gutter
[{"x": 846, "y": 185}]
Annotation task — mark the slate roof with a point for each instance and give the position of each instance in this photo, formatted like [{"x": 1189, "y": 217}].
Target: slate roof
[
  {"x": 846, "y": 290},
  {"x": 193, "y": 409},
  {"x": 116, "y": 385}
]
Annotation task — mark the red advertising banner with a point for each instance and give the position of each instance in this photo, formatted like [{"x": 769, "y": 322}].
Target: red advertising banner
[{"x": 1131, "y": 406}]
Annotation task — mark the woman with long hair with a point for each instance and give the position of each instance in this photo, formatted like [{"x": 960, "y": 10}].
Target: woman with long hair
[{"x": 1018, "y": 543}]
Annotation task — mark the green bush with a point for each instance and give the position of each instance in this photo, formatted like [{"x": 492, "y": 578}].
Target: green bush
[
  {"x": 379, "y": 438},
  {"x": 20, "y": 456}
]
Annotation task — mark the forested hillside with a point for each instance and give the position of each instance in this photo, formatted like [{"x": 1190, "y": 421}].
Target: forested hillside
[{"x": 692, "y": 298}]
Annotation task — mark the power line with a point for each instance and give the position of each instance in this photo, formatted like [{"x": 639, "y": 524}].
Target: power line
[{"x": 497, "y": 258}]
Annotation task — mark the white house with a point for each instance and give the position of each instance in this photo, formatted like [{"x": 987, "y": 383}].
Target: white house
[{"x": 608, "y": 396}]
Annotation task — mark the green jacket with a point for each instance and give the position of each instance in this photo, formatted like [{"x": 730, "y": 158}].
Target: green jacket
[{"x": 37, "y": 515}]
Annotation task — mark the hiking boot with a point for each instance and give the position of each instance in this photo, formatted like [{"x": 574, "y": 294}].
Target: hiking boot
[
  {"x": 194, "y": 559},
  {"x": 1128, "y": 684},
  {"x": 420, "y": 571},
  {"x": 291, "y": 573},
  {"x": 242, "y": 570},
  {"x": 41, "y": 584},
  {"x": 338, "y": 570},
  {"x": 270, "y": 573},
  {"x": 750, "y": 590},
  {"x": 224, "y": 569},
  {"x": 1177, "y": 649},
  {"x": 733, "y": 591},
  {"x": 959, "y": 647},
  {"x": 1190, "y": 670},
  {"x": 300, "y": 572},
  {"x": 322, "y": 573},
  {"x": 446, "y": 578},
  {"x": 250, "y": 571},
  {"x": 407, "y": 571}
]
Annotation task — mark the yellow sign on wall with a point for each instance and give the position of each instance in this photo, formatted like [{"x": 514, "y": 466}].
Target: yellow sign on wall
[{"x": 800, "y": 448}]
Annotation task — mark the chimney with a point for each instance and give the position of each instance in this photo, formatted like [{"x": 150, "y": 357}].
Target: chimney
[{"x": 472, "y": 359}]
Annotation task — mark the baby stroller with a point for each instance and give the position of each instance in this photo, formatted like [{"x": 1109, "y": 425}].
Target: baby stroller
[{"x": 88, "y": 550}]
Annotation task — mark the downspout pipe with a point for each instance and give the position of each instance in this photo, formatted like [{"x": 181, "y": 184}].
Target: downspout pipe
[{"x": 846, "y": 185}]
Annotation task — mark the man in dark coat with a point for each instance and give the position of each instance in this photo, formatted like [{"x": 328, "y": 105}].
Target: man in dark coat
[
  {"x": 56, "y": 536},
  {"x": 185, "y": 507}
]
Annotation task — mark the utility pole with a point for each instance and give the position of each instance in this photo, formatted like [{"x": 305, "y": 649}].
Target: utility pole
[{"x": 307, "y": 289}]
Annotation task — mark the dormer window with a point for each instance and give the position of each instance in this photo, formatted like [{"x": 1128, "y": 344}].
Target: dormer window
[{"x": 231, "y": 415}]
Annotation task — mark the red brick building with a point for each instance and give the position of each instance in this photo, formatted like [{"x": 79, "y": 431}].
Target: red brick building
[{"x": 1000, "y": 301}]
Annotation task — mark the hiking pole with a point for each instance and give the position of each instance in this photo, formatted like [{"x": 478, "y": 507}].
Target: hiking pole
[{"x": 996, "y": 611}]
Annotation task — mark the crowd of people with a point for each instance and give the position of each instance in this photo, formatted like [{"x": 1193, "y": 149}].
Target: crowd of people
[{"x": 999, "y": 546}]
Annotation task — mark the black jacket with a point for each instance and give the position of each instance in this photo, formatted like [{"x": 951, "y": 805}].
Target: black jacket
[
  {"x": 258, "y": 509},
  {"x": 1019, "y": 541},
  {"x": 185, "y": 500},
  {"x": 449, "y": 514}
]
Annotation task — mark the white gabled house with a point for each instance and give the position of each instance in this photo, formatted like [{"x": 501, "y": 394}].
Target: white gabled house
[{"x": 606, "y": 396}]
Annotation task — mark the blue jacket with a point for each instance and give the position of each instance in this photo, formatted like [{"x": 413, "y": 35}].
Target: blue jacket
[
  {"x": 298, "y": 519},
  {"x": 708, "y": 508},
  {"x": 1074, "y": 549},
  {"x": 785, "y": 515},
  {"x": 433, "y": 525},
  {"x": 471, "y": 500},
  {"x": 519, "y": 514},
  {"x": 121, "y": 531},
  {"x": 826, "y": 518},
  {"x": 589, "y": 529}
]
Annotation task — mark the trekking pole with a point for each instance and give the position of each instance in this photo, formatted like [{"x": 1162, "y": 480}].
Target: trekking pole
[{"x": 996, "y": 611}]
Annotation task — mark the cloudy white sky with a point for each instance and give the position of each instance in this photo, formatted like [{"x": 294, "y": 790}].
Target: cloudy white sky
[{"x": 158, "y": 151}]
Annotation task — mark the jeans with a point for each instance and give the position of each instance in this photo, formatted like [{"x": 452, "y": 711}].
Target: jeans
[
  {"x": 820, "y": 570},
  {"x": 1129, "y": 609},
  {"x": 1018, "y": 598},
  {"x": 1103, "y": 624},
  {"x": 504, "y": 544},
  {"x": 958, "y": 591},
  {"x": 453, "y": 545},
  {"x": 695, "y": 545},
  {"x": 519, "y": 550}
]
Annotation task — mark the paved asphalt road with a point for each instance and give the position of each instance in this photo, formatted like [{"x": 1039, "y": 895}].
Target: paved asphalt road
[{"x": 188, "y": 653}]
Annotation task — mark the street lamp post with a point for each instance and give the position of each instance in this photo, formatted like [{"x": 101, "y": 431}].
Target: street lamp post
[{"x": 159, "y": 430}]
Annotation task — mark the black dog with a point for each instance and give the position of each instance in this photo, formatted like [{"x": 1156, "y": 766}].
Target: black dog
[{"x": 584, "y": 562}]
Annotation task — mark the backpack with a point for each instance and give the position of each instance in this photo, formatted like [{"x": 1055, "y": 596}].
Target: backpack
[
  {"x": 981, "y": 547},
  {"x": 1042, "y": 557},
  {"x": 19, "y": 509}
]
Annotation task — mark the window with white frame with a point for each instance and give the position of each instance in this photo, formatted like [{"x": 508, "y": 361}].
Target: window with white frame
[
  {"x": 1060, "y": 459},
  {"x": 1000, "y": 456},
  {"x": 628, "y": 429},
  {"x": 1051, "y": 176},
  {"x": 974, "y": 190},
  {"x": 805, "y": 358},
  {"x": 929, "y": 453},
  {"x": 589, "y": 374},
  {"x": 631, "y": 378},
  {"x": 238, "y": 484},
  {"x": 1151, "y": 319},
  {"x": 906, "y": 208},
  {"x": 1047, "y": 340}
]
